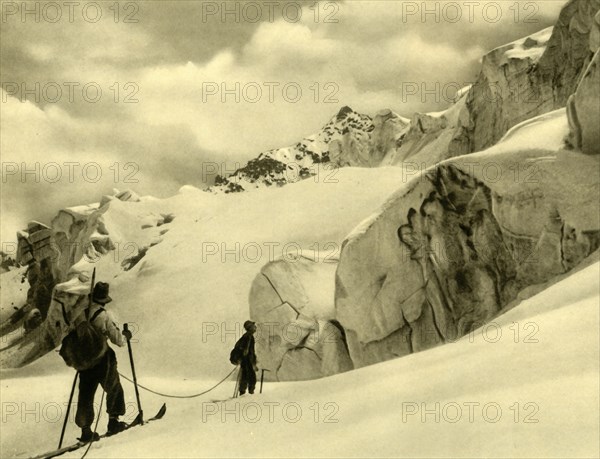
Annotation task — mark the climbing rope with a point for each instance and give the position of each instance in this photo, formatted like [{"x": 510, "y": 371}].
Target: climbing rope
[
  {"x": 157, "y": 393},
  {"x": 179, "y": 396},
  {"x": 96, "y": 426},
  {"x": 154, "y": 392}
]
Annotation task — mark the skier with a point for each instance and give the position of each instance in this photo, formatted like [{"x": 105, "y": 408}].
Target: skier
[
  {"x": 104, "y": 373},
  {"x": 244, "y": 348}
]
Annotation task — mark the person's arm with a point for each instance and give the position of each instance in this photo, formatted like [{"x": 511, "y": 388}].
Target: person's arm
[{"x": 111, "y": 329}]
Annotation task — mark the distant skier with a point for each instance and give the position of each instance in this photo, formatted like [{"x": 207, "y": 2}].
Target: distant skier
[
  {"x": 244, "y": 355},
  {"x": 98, "y": 365}
]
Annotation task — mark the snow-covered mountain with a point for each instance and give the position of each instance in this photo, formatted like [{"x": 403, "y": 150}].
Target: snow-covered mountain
[{"x": 348, "y": 139}]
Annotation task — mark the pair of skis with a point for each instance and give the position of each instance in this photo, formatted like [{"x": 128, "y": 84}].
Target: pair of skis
[{"x": 137, "y": 422}]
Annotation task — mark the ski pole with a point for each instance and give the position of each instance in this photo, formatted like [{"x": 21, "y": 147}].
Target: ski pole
[
  {"x": 140, "y": 415},
  {"x": 262, "y": 378},
  {"x": 62, "y": 434},
  {"x": 91, "y": 295}
]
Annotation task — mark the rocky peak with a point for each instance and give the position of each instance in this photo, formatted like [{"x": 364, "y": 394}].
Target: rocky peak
[
  {"x": 348, "y": 139},
  {"x": 344, "y": 111}
]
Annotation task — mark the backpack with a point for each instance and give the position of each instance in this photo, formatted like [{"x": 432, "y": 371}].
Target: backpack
[
  {"x": 235, "y": 357},
  {"x": 84, "y": 347},
  {"x": 237, "y": 354}
]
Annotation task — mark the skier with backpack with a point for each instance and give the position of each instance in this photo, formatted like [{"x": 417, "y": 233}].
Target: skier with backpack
[
  {"x": 243, "y": 354},
  {"x": 86, "y": 349}
]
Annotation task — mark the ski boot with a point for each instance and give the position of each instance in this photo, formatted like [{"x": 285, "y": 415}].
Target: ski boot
[
  {"x": 88, "y": 436},
  {"x": 115, "y": 426}
]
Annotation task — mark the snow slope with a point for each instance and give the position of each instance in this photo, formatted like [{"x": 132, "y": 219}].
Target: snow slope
[
  {"x": 547, "y": 131},
  {"x": 531, "y": 379},
  {"x": 188, "y": 296}
]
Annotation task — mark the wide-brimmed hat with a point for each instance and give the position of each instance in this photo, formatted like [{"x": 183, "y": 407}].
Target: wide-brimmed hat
[
  {"x": 100, "y": 294},
  {"x": 248, "y": 324}
]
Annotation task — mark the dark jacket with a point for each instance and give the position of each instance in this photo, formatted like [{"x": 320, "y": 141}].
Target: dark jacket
[{"x": 245, "y": 346}]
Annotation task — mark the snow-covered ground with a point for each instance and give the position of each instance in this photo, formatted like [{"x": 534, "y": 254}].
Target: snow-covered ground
[
  {"x": 524, "y": 386},
  {"x": 547, "y": 131},
  {"x": 188, "y": 296},
  {"x": 538, "y": 363}
]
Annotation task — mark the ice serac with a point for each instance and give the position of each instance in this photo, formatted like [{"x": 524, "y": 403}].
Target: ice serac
[
  {"x": 57, "y": 262},
  {"x": 533, "y": 75},
  {"x": 583, "y": 110},
  {"x": 50, "y": 251},
  {"x": 517, "y": 81},
  {"x": 454, "y": 248},
  {"x": 433, "y": 137},
  {"x": 291, "y": 299}
]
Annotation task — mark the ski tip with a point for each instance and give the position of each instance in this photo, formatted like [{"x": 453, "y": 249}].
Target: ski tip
[{"x": 162, "y": 411}]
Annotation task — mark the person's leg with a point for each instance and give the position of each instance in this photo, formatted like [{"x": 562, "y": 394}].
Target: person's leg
[
  {"x": 115, "y": 398},
  {"x": 88, "y": 383},
  {"x": 243, "y": 378},
  {"x": 251, "y": 378}
]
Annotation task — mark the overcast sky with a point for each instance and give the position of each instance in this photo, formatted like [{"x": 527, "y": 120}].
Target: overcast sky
[{"x": 171, "y": 66}]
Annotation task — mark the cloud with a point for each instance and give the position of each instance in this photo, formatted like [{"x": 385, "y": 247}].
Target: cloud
[
  {"x": 364, "y": 58},
  {"x": 51, "y": 160},
  {"x": 227, "y": 104}
]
